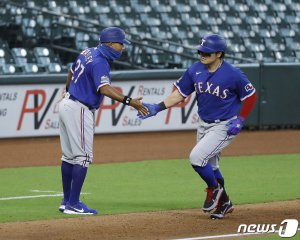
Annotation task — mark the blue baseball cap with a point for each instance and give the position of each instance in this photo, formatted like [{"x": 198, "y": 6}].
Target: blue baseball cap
[
  {"x": 113, "y": 34},
  {"x": 212, "y": 43}
]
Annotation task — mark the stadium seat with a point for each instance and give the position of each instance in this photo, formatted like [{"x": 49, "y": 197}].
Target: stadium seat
[
  {"x": 182, "y": 7},
  {"x": 23, "y": 56},
  {"x": 200, "y": 7},
  {"x": 55, "y": 68},
  {"x": 151, "y": 19},
  {"x": 130, "y": 19},
  {"x": 108, "y": 19},
  {"x": 82, "y": 40},
  {"x": 32, "y": 68},
  {"x": 10, "y": 69},
  {"x": 275, "y": 44},
  {"x": 268, "y": 56},
  {"x": 171, "y": 19},
  {"x": 120, "y": 6},
  {"x": 249, "y": 54},
  {"x": 141, "y": 6},
  {"x": 5, "y": 55},
  {"x": 289, "y": 55},
  {"x": 297, "y": 53},
  {"x": 63, "y": 36},
  {"x": 76, "y": 8},
  {"x": 45, "y": 56},
  {"x": 242, "y": 22},
  {"x": 190, "y": 19},
  {"x": 233, "y": 18},
  {"x": 292, "y": 17},
  {"x": 162, "y": 32},
  {"x": 161, "y": 6}
]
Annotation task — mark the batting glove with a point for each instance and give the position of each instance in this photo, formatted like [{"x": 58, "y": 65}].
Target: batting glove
[
  {"x": 153, "y": 110},
  {"x": 235, "y": 125}
]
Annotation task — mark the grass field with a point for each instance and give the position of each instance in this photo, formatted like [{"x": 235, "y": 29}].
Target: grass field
[{"x": 147, "y": 186}]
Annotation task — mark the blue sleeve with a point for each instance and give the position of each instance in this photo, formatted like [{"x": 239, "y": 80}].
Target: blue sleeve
[
  {"x": 185, "y": 84},
  {"x": 244, "y": 87},
  {"x": 100, "y": 74}
]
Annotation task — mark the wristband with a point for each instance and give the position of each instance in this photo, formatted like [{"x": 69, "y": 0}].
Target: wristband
[
  {"x": 162, "y": 106},
  {"x": 67, "y": 88},
  {"x": 126, "y": 100}
]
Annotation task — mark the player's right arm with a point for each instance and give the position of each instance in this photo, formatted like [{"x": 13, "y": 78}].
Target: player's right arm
[
  {"x": 69, "y": 79},
  {"x": 184, "y": 87},
  {"x": 173, "y": 99},
  {"x": 170, "y": 101},
  {"x": 112, "y": 93}
]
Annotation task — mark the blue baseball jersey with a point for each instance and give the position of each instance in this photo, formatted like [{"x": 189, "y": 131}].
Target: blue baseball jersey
[
  {"x": 91, "y": 71},
  {"x": 219, "y": 94}
]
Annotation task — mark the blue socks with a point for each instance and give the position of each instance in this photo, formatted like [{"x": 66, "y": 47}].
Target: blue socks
[
  {"x": 66, "y": 175},
  {"x": 219, "y": 177},
  {"x": 207, "y": 174},
  {"x": 224, "y": 197},
  {"x": 73, "y": 177},
  {"x": 78, "y": 177}
]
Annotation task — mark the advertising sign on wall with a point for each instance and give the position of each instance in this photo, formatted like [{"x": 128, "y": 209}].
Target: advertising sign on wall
[{"x": 32, "y": 110}]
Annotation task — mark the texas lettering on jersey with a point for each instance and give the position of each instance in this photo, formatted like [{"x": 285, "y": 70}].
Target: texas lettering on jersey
[
  {"x": 222, "y": 90},
  {"x": 208, "y": 87}
]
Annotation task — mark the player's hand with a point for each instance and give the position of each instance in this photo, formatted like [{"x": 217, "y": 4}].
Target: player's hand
[
  {"x": 235, "y": 125},
  {"x": 153, "y": 110},
  {"x": 137, "y": 104},
  {"x": 63, "y": 95}
]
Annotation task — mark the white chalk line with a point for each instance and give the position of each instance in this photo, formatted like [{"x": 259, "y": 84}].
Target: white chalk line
[
  {"x": 218, "y": 236},
  {"x": 193, "y": 238},
  {"x": 224, "y": 236},
  {"x": 44, "y": 191},
  {"x": 55, "y": 194}
]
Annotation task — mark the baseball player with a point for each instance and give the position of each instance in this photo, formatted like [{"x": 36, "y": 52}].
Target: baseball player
[
  {"x": 220, "y": 89},
  {"x": 88, "y": 82}
]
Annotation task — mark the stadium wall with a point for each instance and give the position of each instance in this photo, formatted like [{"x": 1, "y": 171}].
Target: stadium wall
[{"x": 28, "y": 103}]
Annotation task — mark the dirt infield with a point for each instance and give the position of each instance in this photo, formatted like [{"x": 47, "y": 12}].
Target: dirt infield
[
  {"x": 156, "y": 225},
  {"x": 25, "y": 152}
]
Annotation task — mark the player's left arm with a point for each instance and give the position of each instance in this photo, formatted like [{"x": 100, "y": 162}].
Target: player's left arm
[
  {"x": 248, "y": 105},
  {"x": 248, "y": 96},
  {"x": 235, "y": 125}
]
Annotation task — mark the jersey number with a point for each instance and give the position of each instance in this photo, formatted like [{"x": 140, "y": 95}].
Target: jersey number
[{"x": 78, "y": 67}]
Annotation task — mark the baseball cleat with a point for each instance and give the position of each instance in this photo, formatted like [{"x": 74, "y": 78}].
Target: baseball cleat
[
  {"x": 80, "y": 209},
  {"x": 62, "y": 206},
  {"x": 222, "y": 210},
  {"x": 212, "y": 198}
]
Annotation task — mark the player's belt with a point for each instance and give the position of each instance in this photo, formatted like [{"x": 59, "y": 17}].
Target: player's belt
[
  {"x": 214, "y": 121},
  {"x": 75, "y": 99}
]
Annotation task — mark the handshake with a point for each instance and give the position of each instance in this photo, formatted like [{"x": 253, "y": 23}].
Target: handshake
[{"x": 153, "y": 109}]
